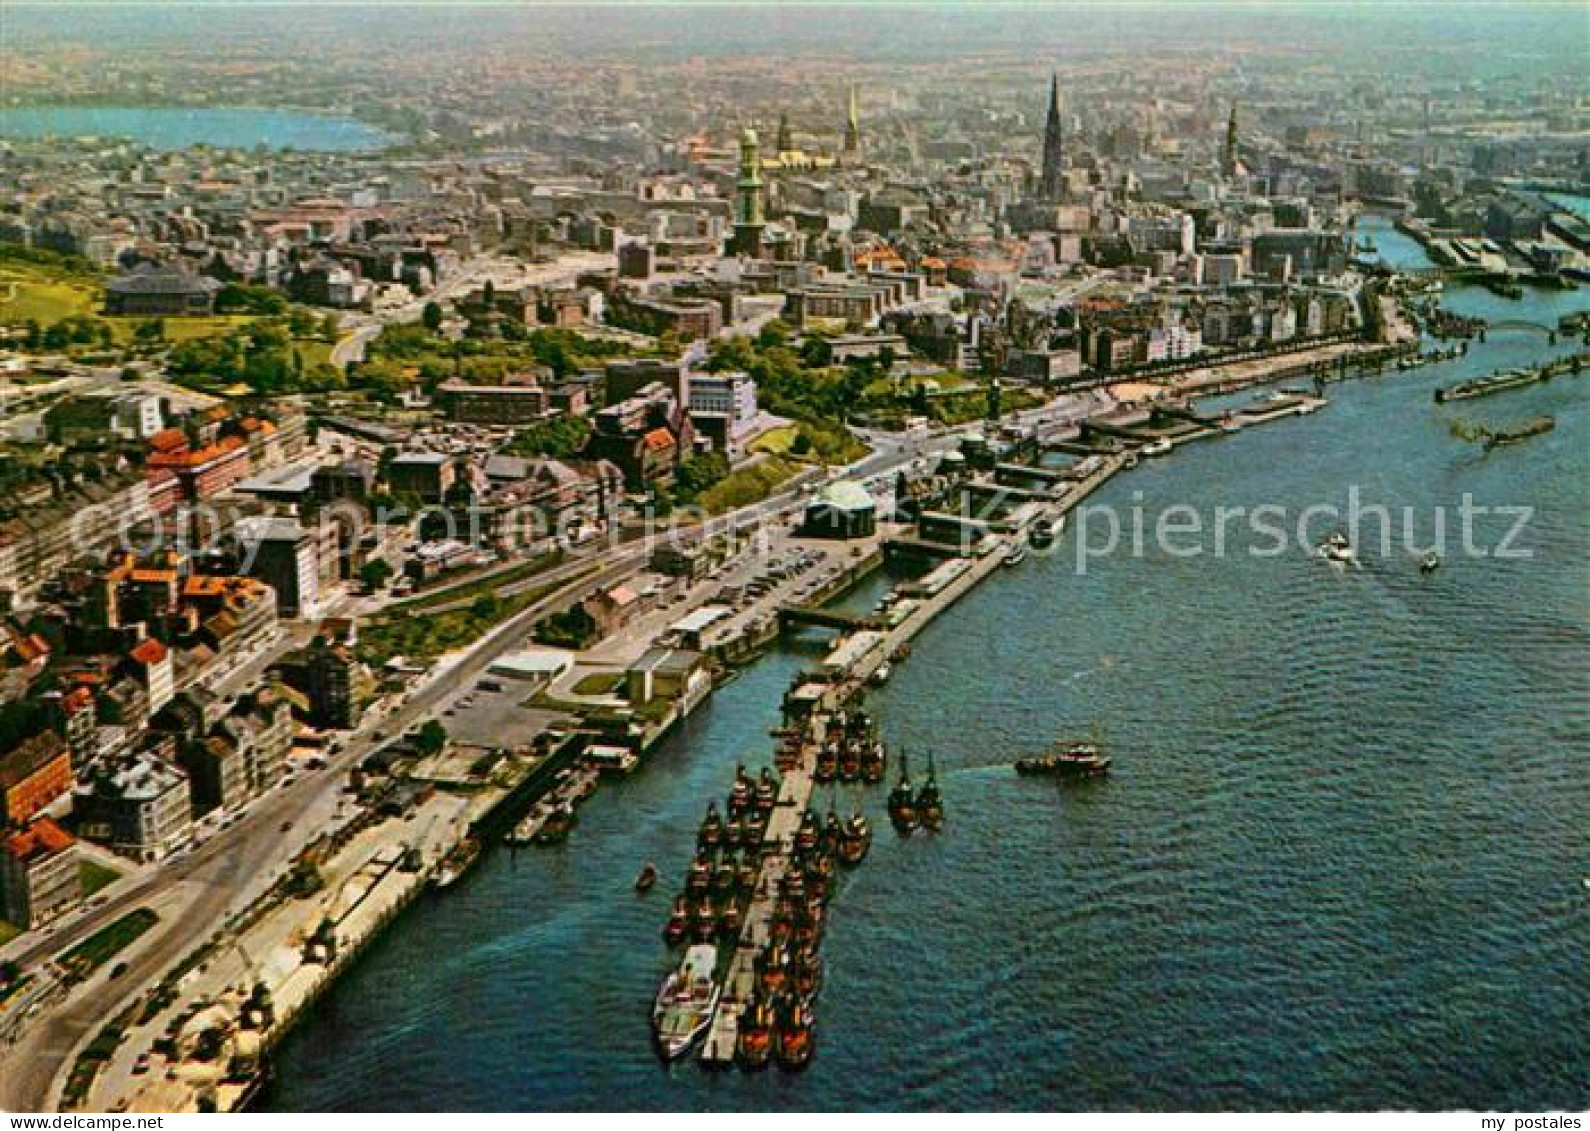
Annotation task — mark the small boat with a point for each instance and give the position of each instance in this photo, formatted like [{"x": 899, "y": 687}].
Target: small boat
[
  {"x": 1042, "y": 533},
  {"x": 1336, "y": 548},
  {"x": 1430, "y": 562},
  {"x": 1016, "y": 554},
  {"x": 929, "y": 802},
  {"x": 1068, "y": 760},
  {"x": 855, "y": 839},
  {"x": 880, "y": 675},
  {"x": 902, "y": 802},
  {"x": 754, "y": 1045},
  {"x": 647, "y": 878},
  {"x": 686, "y": 1002},
  {"x": 558, "y": 825},
  {"x": 1157, "y": 447},
  {"x": 678, "y": 925},
  {"x": 795, "y": 1039},
  {"x": 457, "y": 862}
]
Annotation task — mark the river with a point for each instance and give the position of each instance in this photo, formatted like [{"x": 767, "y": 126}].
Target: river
[{"x": 1341, "y": 862}]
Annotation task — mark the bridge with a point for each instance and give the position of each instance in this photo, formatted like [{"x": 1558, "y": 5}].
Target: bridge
[
  {"x": 809, "y": 616},
  {"x": 1523, "y": 324}
]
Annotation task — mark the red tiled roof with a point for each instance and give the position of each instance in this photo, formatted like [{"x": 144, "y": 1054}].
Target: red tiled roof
[
  {"x": 151, "y": 651},
  {"x": 42, "y": 837}
]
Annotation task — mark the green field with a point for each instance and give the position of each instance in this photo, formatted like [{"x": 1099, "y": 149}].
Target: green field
[
  {"x": 95, "y": 877},
  {"x": 100, "y": 947},
  {"x": 748, "y": 485}
]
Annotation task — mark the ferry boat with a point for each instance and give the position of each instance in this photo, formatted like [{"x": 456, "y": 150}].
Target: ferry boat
[
  {"x": 902, "y": 802},
  {"x": 1068, "y": 760},
  {"x": 457, "y": 862},
  {"x": 685, "y": 1003},
  {"x": 1016, "y": 554},
  {"x": 929, "y": 802},
  {"x": 647, "y": 878}
]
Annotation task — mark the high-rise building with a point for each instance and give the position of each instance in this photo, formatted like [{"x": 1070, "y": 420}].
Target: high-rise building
[
  {"x": 748, "y": 217},
  {"x": 1051, "y": 181}
]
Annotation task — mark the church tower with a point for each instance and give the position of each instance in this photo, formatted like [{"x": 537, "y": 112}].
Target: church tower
[
  {"x": 852, "y": 126},
  {"x": 748, "y": 218},
  {"x": 1051, "y": 181},
  {"x": 785, "y": 142},
  {"x": 1228, "y": 157}
]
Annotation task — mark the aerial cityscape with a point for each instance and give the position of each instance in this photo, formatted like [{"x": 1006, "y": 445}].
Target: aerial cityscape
[{"x": 942, "y": 556}]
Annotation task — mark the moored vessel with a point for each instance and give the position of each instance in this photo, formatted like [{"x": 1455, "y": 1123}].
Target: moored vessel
[
  {"x": 685, "y": 1003},
  {"x": 902, "y": 801}
]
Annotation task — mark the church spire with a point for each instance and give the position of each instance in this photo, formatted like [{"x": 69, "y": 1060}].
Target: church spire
[
  {"x": 852, "y": 124},
  {"x": 1051, "y": 182},
  {"x": 784, "y": 142}
]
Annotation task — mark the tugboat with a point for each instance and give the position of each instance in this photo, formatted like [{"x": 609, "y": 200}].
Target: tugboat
[
  {"x": 874, "y": 760},
  {"x": 827, "y": 768},
  {"x": 678, "y": 924},
  {"x": 766, "y": 794},
  {"x": 850, "y": 761},
  {"x": 699, "y": 877},
  {"x": 647, "y": 877},
  {"x": 855, "y": 841},
  {"x": 704, "y": 921},
  {"x": 1068, "y": 760},
  {"x": 711, "y": 833},
  {"x": 807, "y": 834},
  {"x": 740, "y": 794},
  {"x": 558, "y": 825},
  {"x": 754, "y": 1046},
  {"x": 794, "y": 1040},
  {"x": 929, "y": 802},
  {"x": 806, "y": 975},
  {"x": 902, "y": 802},
  {"x": 833, "y": 833},
  {"x": 685, "y": 1003}
]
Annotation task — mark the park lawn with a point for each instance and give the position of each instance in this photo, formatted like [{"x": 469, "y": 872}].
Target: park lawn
[
  {"x": 95, "y": 877},
  {"x": 831, "y": 443},
  {"x": 748, "y": 485},
  {"x": 599, "y": 683},
  {"x": 105, "y": 944},
  {"x": 31, "y": 294},
  {"x": 400, "y": 632}
]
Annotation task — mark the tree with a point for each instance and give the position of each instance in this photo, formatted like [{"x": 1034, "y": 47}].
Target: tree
[
  {"x": 431, "y": 739},
  {"x": 431, "y": 316},
  {"x": 374, "y": 574}
]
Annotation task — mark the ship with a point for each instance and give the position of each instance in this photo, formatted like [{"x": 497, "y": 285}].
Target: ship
[
  {"x": 929, "y": 802},
  {"x": 457, "y": 862},
  {"x": 754, "y": 1044},
  {"x": 1068, "y": 760},
  {"x": 855, "y": 840},
  {"x": 902, "y": 802},
  {"x": 795, "y": 1037},
  {"x": 557, "y": 827},
  {"x": 685, "y": 1003},
  {"x": 647, "y": 877},
  {"x": 678, "y": 925}
]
